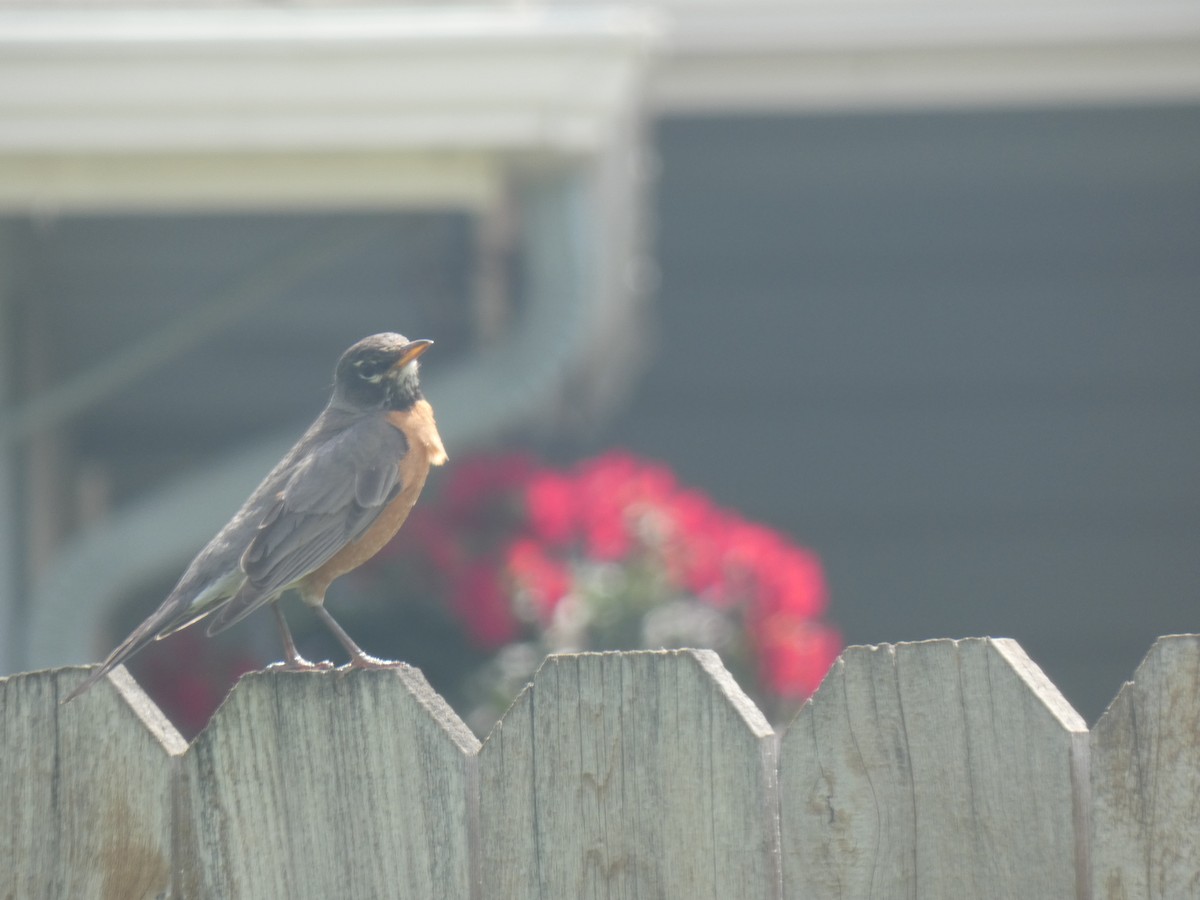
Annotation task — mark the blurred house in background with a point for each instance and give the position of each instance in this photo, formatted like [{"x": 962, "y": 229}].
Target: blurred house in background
[{"x": 928, "y": 290}]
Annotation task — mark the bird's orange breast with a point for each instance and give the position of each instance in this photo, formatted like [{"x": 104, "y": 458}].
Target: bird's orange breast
[{"x": 424, "y": 450}]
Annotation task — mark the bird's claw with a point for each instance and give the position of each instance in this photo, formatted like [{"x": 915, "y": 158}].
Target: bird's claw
[
  {"x": 366, "y": 661},
  {"x": 300, "y": 664}
]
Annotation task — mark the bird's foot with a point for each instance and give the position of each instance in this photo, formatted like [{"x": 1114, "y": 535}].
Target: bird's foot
[
  {"x": 366, "y": 661},
  {"x": 300, "y": 664}
]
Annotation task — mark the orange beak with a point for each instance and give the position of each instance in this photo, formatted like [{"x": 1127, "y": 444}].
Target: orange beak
[{"x": 411, "y": 351}]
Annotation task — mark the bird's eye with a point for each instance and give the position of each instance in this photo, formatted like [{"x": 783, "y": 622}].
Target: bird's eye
[{"x": 371, "y": 369}]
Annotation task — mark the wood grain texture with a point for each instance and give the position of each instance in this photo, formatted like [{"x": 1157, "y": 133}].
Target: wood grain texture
[
  {"x": 1146, "y": 780},
  {"x": 322, "y": 785},
  {"x": 944, "y": 769},
  {"x": 644, "y": 774},
  {"x": 85, "y": 789}
]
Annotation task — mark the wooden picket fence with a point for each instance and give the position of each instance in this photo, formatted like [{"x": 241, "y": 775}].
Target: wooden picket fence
[{"x": 943, "y": 769}]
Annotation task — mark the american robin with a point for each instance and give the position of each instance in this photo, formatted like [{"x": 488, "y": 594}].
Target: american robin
[{"x": 327, "y": 507}]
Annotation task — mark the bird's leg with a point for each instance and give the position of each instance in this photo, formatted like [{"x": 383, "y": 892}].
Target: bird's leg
[
  {"x": 358, "y": 658},
  {"x": 294, "y": 662}
]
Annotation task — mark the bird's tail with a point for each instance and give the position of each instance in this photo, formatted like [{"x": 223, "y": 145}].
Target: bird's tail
[{"x": 160, "y": 623}]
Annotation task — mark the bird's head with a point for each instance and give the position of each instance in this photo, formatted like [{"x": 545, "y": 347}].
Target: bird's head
[{"x": 379, "y": 371}]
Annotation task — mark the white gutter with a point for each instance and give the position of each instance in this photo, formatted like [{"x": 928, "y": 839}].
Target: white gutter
[
  {"x": 871, "y": 55},
  {"x": 516, "y": 78}
]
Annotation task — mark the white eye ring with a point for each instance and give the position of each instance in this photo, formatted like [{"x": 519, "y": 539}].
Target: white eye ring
[{"x": 373, "y": 379}]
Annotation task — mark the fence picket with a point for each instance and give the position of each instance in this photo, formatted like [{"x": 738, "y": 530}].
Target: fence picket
[
  {"x": 322, "y": 785},
  {"x": 85, "y": 789},
  {"x": 1146, "y": 780},
  {"x": 943, "y": 769},
  {"x": 931, "y": 770},
  {"x": 626, "y": 775}
]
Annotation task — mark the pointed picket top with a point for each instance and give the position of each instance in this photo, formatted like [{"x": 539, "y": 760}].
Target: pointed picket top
[
  {"x": 630, "y": 774},
  {"x": 894, "y": 784},
  {"x": 85, "y": 788},
  {"x": 1146, "y": 779},
  {"x": 344, "y": 784}
]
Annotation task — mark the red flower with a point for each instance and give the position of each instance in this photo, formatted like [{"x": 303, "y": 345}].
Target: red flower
[
  {"x": 602, "y": 484},
  {"x": 698, "y": 531},
  {"x": 605, "y": 534},
  {"x": 479, "y": 601},
  {"x": 749, "y": 548},
  {"x": 614, "y": 490},
  {"x": 544, "y": 580},
  {"x": 794, "y": 655},
  {"x": 648, "y": 483},
  {"x": 793, "y": 584},
  {"x": 550, "y": 504}
]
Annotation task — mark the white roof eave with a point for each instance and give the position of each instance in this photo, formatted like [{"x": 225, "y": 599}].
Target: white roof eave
[{"x": 315, "y": 79}]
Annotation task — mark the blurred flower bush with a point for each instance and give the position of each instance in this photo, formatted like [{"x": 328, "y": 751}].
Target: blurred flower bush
[{"x": 610, "y": 554}]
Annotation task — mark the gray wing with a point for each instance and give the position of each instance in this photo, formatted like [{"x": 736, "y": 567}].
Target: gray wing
[{"x": 335, "y": 492}]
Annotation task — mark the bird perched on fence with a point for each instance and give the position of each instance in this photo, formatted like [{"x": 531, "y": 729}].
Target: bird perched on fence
[{"x": 327, "y": 507}]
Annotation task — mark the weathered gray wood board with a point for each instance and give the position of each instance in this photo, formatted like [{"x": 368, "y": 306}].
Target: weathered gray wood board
[
  {"x": 1146, "y": 780},
  {"x": 630, "y": 775},
  {"x": 944, "y": 769},
  {"x": 85, "y": 789},
  {"x": 322, "y": 785}
]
